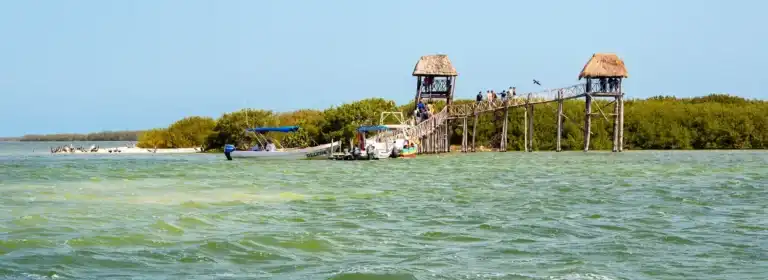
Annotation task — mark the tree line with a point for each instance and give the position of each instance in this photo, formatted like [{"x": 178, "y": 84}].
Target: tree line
[
  {"x": 97, "y": 136},
  {"x": 715, "y": 121}
]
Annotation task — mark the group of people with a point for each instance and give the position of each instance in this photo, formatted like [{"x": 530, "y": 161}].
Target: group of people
[
  {"x": 270, "y": 147},
  {"x": 423, "y": 111},
  {"x": 606, "y": 85},
  {"x": 492, "y": 96}
]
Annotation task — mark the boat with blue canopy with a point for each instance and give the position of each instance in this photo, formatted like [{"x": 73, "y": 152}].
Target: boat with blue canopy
[
  {"x": 388, "y": 141},
  {"x": 267, "y": 148}
]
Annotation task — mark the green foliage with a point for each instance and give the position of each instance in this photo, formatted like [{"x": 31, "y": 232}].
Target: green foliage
[
  {"x": 154, "y": 138},
  {"x": 231, "y": 127},
  {"x": 663, "y": 122},
  {"x": 191, "y": 132},
  {"x": 342, "y": 122}
]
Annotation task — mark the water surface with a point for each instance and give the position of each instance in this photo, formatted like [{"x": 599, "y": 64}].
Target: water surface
[{"x": 634, "y": 215}]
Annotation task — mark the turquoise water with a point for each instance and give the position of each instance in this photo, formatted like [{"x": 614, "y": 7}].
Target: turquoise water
[{"x": 542, "y": 215}]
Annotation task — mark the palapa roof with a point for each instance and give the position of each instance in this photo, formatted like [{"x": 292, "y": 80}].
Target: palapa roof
[
  {"x": 604, "y": 65},
  {"x": 434, "y": 65}
]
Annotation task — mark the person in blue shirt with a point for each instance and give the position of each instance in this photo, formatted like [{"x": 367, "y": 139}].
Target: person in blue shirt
[{"x": 421, "y": 110}]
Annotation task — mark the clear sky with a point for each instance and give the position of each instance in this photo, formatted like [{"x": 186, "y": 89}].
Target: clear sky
[{"x": 87, "y": 66}]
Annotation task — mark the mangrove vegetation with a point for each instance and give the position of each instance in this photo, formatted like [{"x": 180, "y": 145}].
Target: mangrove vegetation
[{"x": 716, "y": 121}]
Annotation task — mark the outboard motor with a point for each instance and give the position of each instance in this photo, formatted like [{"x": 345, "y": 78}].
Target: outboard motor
[
  {"x": 395, "y": 153},
  {"x": 370, "y": 151},
  {"x": 228, "y": 149}
]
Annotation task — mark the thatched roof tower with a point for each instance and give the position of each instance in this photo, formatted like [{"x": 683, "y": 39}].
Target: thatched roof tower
[
  {"x": 604, "y": 65},
  {"x": 434, "y": 65},
  {"x": 435, "y": 78}
]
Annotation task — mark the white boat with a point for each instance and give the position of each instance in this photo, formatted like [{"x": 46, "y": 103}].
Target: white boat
[
  {"x": 274, "y": 153},
  {"x": 390, "y": 137},
  {"x": 288, "y": 153}
]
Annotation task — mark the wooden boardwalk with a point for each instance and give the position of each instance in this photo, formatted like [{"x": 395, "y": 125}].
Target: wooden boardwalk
[{"x": 434, "y": 133}]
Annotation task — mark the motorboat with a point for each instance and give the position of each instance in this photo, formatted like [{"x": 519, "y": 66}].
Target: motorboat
[
  {"x": 390, "y": 142},
  {"x": 267, "y": 149}
]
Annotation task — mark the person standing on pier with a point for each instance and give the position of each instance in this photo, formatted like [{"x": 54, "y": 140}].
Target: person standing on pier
[
  {"x": 422, "y": 109},
  {"x": 503, "y": 95},
  {"x": 480, "y": 96}
]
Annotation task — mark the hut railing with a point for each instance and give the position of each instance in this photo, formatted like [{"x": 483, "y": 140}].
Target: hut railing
[{"x": 437, "y": 86}]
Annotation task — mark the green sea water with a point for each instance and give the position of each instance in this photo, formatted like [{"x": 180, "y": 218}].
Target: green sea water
[{"x": 541, "y": 215}]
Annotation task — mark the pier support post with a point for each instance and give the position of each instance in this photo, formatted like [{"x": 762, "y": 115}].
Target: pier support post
[
  {"x": 474, "y": 133},
  {"x": 530, "y": 128},
  {"x": 441, "y": 138},
  {"x": 587, "y": 121},
  {"x": 447, "y": 136},
  {"x": 559, "y": 121},
  {"x": 433, "y": 135},
  {"x": 504, "y": 128},
  {"x": 464, "y": 137},
  {"x": 616, "y": 125},
  {"x": 525, "y": 129},
  {"x": 621, "y": 122}
]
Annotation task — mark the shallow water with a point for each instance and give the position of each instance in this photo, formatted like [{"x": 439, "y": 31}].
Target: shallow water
[{"x": 634, "y": 215}]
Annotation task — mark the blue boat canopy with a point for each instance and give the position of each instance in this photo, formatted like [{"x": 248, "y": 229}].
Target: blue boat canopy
[
  {"x": 372, "y": 128},
  {"x": 275, "y": 129}
]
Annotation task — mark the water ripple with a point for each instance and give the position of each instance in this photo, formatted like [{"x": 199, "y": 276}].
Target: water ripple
[{"x": 634, "y": 215}]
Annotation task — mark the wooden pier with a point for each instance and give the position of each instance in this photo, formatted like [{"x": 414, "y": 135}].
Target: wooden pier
[{"x": 603, "y": 76}]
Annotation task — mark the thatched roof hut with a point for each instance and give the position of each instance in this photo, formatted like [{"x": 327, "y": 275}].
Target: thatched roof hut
[
  {"x": 604, "y": 65},
  {"x": 434, "y": 65}
]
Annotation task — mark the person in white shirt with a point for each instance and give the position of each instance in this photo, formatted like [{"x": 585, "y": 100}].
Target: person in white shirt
[{"x": 270, "y": 146}]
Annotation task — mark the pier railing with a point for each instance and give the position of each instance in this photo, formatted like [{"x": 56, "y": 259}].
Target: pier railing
[
  {"x": 545, "y": 96},
  {"x": 428, "y": 126},
  {"x": 453, "y": 111}
]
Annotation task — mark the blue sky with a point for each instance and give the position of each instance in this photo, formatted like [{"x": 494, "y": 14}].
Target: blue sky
[{"x": 87, "y": 66}]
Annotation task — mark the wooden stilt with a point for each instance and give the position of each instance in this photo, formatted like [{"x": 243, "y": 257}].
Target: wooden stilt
[
  {"x": 474, "y": 133},
  {"x": 447, "y": 136},
  {"x": 621, "y": 123},
  {"x": 434, "y": 138},
  {"x": 446, "y": 144},
  {"x": 616, "y": 125},
  {"x": 449, "y": 131},
  {"x": 464, "y": 137},
  {"x": 559, "y": 122},
  {"x": 525, "y": 129},
  {"x": 441, "y": 138},
  {"x": 587, "y": 122},
  {"x": 504, "y": 130},
  {"x": 530, "y": 128}
]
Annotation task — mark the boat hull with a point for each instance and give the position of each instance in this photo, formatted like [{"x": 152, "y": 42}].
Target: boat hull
[
  {"x": 408, "y": 153},
  {"x": 294, "y": 154}
]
